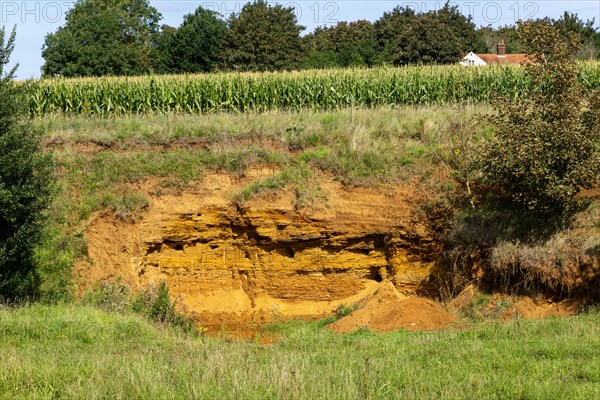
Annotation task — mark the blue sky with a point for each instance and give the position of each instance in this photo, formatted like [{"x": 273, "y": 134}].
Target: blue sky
[{"x": 35, "y": 19}]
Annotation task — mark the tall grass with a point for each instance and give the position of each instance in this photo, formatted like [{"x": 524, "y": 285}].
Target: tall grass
[
  {"x": 74, "y": 352},
  {"x": 294, "y": 91}
]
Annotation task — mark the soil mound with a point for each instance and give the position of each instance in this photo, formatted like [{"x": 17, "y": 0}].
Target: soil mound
[
  {"x": 499, "y": 306},
  {"x": 387, "y": 311}
]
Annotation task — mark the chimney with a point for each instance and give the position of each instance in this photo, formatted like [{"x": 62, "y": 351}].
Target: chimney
[{"x": 501, "y": 48}]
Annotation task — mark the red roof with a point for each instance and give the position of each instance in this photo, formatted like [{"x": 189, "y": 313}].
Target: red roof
[{"x": 506, "y": 59}]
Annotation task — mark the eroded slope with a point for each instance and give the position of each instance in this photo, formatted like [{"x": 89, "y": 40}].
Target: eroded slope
[{"x": 265, "y": 258}]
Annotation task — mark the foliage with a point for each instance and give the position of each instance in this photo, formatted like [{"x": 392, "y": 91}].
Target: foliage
[
  {"x": 545, "y": 147},
  {"x": 428, "y": 40},
  {"x": 343, "y": 310},
  {"x": 102, "y": 37},
  {"x": 345, "y": 45},
  {"x": 388, "y": 28},
  {"x": 25, "y": 186},
  {"x": 263, "y": 38},
  {"x": 160, "y": 51},
  {"x": 155, "y": 303},
  {"x": 491, "y": 36},
  {"x": 568, "y": 24},
  {"x": 196, "y": 44},
  {"x": 441, "y": 36},
  {"x": 152, "y": 302},
  {"x": 589, "y": 38},
  {"x": 70, "y": 351}
]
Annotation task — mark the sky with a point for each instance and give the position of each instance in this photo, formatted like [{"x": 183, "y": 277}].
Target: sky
[{"x": 34, "y": 19}]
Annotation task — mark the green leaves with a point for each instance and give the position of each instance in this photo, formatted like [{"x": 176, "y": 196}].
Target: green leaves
[
  {"x": 25, "y": 179},
  {"x": 263, "y": 38},
  {"x": 545, "y": 148},
  {"x": 102, "y": 37},
  {"x": 196, "y": 45}
]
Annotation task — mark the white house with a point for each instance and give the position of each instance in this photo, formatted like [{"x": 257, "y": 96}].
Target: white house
[{"x": 472, "y": 59}]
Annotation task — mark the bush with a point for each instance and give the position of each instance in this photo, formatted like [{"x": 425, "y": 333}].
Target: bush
[
  {"x": 152, "y": 302},
  {"x": 545, "y": 145},
  {"x": 25, "y": 186}
]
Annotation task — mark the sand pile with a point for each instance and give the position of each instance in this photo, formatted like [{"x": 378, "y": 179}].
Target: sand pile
[{"x": 387, "y": 310}]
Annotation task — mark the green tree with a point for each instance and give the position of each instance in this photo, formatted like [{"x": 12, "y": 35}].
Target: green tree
[
  {"x": 441, "y": 36},
  {"x": 491, "y": 37},
  {"x": 570, "y": 23},
  {"x": 345, "y": 45},
  {"x": 25, "y": 185},
  {"x": 545, "y": 146},
  {"x": 463, "y": 27},
  {"x": 388, "y": 29},
  {"x": 263, "y": 38},
  {"x": 102, "y": 37},
  {"x": 427, "y": 39},
  {"x": 160, "y": 52},
  {"x": 196, "y": 45}
]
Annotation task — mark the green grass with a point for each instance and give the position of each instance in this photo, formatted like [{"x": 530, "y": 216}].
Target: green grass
[{"x": 69, "y": 351}]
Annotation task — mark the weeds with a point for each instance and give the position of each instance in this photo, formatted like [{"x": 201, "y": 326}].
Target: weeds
[
  {"x": 152, "y": 302},
  {"x": 343, "y": 311}
]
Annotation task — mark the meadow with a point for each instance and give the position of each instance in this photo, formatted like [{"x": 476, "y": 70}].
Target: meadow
[{"x": 70, "y": 351}]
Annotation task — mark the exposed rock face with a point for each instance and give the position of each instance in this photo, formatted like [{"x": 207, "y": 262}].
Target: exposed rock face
[{"x": 265, "y": 258}]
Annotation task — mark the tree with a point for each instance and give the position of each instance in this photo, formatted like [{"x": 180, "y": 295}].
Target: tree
[
  {"x": 102, "y": 37},
  {"x": 507, "y": 33},
  {"x": 25, "y": 185},
  {"x": 160, "y": 51},
  {"x": 441, "y": 36},
  {"x": 463, "y": 27},
  {"x": 545, "y": 147},
  {"x": 345, "y": 45},
  {"x": 570, "y": 23},
  {"x": 387, "y": 30},
  {"x": 196, "y": 45},
  {"x": 263, "y": 38},
  {"x": 428, "y": 40}
]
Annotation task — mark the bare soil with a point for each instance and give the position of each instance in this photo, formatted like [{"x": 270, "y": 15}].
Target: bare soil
[{"x": 387, "y": 310}]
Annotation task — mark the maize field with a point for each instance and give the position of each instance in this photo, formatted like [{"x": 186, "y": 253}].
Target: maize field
[{"x": 292, "y": 91}]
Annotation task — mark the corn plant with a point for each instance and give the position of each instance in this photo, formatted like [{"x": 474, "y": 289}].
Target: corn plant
[{"x": 292, "y": 91}]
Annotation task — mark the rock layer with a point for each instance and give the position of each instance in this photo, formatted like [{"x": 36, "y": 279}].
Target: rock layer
[{"x": 265, "y": 258}]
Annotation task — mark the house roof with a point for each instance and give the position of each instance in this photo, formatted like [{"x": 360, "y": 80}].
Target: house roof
[{"x": 506, "y": 59}]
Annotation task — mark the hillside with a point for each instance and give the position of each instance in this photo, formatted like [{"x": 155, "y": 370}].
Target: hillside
[{"x": 256, "y": 217}]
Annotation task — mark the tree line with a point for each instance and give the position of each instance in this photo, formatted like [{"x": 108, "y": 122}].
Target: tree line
[{"x": 124, "y": 37}]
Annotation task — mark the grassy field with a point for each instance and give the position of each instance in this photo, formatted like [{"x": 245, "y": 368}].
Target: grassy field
[
  {"x": 67, "y": 351},
  {"x": 74, "y": 351}
]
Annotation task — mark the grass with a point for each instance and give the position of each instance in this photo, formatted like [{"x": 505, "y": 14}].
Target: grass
[
  {"x": 69, "y": 351},
  {"x": 101, "y": 160},
  {"x": 363, "y": 147}
]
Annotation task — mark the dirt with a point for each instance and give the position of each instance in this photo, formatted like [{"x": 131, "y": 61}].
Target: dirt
[
  {"x": 387, "y": 311},
  {"x": 500, "y": 306},
  {"x": 529, "y": 308},
  {"x": 265, "y": 260}
]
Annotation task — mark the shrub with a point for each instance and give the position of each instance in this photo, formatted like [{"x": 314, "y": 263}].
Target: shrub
[
  {"x": 545, "y": 145},
  {"x": 25, "y": 186},
  {"x": 152, "y": 302}
]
